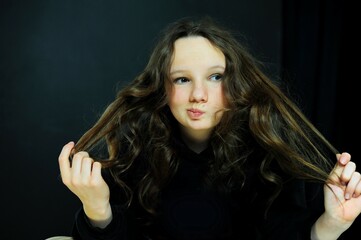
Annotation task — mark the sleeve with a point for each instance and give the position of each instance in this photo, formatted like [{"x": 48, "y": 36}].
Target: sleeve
[{"x": 116, "y": 230}]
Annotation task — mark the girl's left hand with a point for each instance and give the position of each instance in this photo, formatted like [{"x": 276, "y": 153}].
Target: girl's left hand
[{"x": 343, "y": 202}]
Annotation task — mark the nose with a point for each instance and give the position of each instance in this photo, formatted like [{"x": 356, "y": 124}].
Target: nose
[{"x": 199, "y": 92}]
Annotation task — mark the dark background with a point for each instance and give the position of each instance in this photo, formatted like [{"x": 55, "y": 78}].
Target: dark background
[{"x": 61, "y": 62}]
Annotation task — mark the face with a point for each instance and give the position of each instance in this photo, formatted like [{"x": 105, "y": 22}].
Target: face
[{"x": 196, "y": 96}]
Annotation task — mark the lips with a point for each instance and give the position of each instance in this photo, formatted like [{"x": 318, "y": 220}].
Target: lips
[{"x": 194, "y": 113}]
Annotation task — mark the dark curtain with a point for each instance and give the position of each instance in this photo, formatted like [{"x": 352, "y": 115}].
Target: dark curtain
[{"x": 320, "y": 65}]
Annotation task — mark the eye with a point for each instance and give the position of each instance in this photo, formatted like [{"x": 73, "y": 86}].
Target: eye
[
  {"x": 216, "y": 77},
  {"x": 181, "y": 80}
]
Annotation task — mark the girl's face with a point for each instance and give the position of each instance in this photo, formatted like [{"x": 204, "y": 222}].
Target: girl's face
[{"x": 196, "y": 96}]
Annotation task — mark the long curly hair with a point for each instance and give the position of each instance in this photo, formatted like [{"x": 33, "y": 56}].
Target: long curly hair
[{"x": 139, "y": 123}]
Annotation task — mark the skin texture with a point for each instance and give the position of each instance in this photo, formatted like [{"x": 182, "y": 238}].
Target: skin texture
[{"x": 196, "y": 96}]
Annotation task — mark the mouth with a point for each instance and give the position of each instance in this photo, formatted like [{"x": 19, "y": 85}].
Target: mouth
[{"x": 194, "y": 113}]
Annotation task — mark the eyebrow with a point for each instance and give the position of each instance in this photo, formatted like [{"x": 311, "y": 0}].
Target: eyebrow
[{"x": 184, "y": 70}]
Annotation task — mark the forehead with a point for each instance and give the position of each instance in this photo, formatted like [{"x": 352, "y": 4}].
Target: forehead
[{"x": 196, "y": 50}]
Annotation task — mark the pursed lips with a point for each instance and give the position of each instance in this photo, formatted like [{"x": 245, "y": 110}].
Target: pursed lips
[{"x": 195, "y": 113}]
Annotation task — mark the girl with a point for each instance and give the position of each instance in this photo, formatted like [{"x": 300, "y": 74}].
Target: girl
[{"x": 202, "y": 145}]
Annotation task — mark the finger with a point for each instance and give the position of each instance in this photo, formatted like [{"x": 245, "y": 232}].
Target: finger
[
  {"x": 76, "y": 166},
  {"x": 96, "y": 172},
  {"x": 347, "y": 172},
  {"x": 352, "y": 185},
  {"x": 86, "y": 169},
  {"x": 358, "y": 190},
  {"x": 342, "y": 160},
  {"x": 64, "y": 163}
]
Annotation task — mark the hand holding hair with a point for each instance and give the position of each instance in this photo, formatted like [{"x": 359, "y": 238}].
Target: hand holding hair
[
  {"x": 342, "y": 200},
  {"x": 83, "y": 177}
]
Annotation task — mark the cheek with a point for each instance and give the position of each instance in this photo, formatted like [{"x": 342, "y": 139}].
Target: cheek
[
  {"x": 176, "y": 97},
  {"x": 221, "y": 99}
]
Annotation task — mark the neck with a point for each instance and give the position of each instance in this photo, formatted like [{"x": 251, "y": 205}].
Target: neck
[{"x": 196, "y": 141}]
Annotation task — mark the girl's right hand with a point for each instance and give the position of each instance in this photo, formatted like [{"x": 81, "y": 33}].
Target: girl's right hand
[{"x": 83, "y": 177}]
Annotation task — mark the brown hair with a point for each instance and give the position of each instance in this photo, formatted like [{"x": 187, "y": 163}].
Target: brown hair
[{"x": 139, "y": 123}]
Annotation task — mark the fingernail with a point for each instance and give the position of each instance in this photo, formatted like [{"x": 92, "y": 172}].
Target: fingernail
[{"x": 347, "y": 196}]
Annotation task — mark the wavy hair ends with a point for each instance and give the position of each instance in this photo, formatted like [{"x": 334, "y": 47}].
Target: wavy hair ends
[{"x": 139, "y": 123}]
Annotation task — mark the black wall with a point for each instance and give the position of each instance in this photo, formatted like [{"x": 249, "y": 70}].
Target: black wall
[{"x": 60, "y": 64}]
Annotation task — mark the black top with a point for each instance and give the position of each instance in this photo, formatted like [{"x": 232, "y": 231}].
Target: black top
[{"x": 190, "y": 209}]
